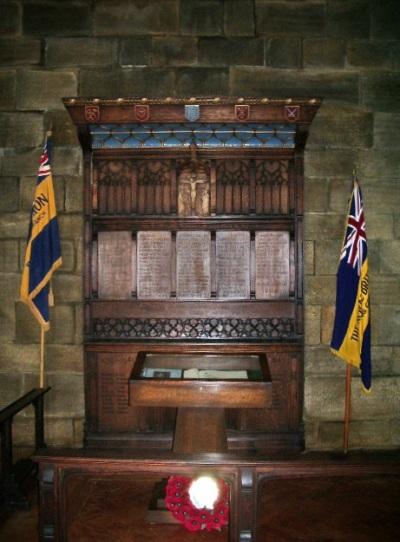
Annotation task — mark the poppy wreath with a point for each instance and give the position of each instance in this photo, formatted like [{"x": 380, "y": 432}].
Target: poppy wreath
[{"x": 178, "y": 502}]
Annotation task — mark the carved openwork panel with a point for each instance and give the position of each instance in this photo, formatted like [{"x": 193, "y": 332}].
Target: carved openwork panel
[
  {"x": 233, "y": 186},
  {"x": 272, "y": 186}
]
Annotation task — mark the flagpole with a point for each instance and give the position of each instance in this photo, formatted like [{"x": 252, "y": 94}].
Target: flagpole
[
  {"x": 41, "y": 380},
  {"x": 347, "y": 410}
]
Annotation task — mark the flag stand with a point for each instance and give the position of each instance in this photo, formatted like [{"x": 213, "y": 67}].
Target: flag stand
[
  {"x": 41, "y": 381},
  {"x": 347, "y": 410}
]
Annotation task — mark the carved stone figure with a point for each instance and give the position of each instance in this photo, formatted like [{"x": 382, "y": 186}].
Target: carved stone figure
[{"x": 194, "y": 189}]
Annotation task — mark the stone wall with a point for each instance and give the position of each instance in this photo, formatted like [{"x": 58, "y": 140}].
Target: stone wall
[{"x": 346, "y": 51}]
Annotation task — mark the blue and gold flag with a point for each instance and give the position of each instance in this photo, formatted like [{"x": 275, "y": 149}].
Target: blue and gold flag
[
  {"x": 43, "y": 253},
  {"x": 351, "y": 337}
]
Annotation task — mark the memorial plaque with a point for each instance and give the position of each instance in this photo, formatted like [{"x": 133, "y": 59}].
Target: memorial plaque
[
  {"x": 272, "y": 265},
  {"x": 233, "y": 264},
  {"x": 154, "y": 265},
  {"x": 116, "y": 269},
  {"x": 193, "y": 280}
]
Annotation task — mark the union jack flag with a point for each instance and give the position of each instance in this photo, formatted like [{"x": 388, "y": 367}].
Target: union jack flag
[
  {"x": 355, "y": 245},
  {"x": 351, "y": 336}
]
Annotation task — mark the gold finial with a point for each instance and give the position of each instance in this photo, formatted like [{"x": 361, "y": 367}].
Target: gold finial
[
  {"x": 192, "y": 99},
  {"x": 289, "y": 101},
  {"x": 168, "y": 99},
  {"x": 217, "y": 99},
  {"x": 144, "y": 99},
  {"x": 265, "y": 100},
  {"x": 240, "y": 100},
  {"x": 96, "y": 100}
]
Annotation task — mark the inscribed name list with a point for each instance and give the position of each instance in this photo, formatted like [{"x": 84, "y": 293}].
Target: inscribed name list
[
  {"x": 193, "y": 280},
  {"x": 154, "y": 265},
  {"x": 233, "y": 264},
  {"x": 272, "y": 265}
]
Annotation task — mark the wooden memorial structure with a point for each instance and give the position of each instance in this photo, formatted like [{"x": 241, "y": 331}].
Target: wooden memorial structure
[{"x": 193, "y": 260}]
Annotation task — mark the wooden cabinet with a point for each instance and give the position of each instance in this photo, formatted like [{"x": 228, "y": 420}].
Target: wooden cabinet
[{"x": 193, "y": 244}]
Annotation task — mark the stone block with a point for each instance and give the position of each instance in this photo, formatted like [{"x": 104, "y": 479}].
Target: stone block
[
  {"x": 10, "y": 285},
  {"x": 59, "y": 19},
  {"x": 320, "y": 290},
  {"x": 174, "y": 51},
  {"x": 379, "y": 226},
  {"x": 136, "y": 51},
  {"x": 332, "y": 162},
  {"x": 40, "y": 89},
  {"x": 20, "y": 358},
  {"x": 312, "y": 324},
  {"x": 27, "y": 329},
  {"x": 386, "y": 318},
  {"x": 81, "y": 52},
  {"x": 9, "y": 189},
  {"x": 66, "y": 396},
  {"x": 21, "y": 129},
  {"x": 27, "y": 189},
  {"x": 340, "y": 190},
  {"x": 323, "y": 226},
  {"x": 67, "y": 288},
  {"x": 11, "y": 388},
  {"x": 7, "y": 90},
  {"x": 396, "y": 227},
  {"x": 68, "y": 255},
  {"x": 375, "y": 55},
  {"x": 202, "y": 81},
  {"x": 383, "y": 402},
  {"x": 62, "y": 324},
  {"x": 14, "y": 52},
  {"x": 79, "y": 255},
  {"x": 346, "y": 19},
  {"x": 224, "y": 52},
  {"x": 384, "y": 19},
  {"x": 309, "y": 257},
  {"x": 151, "y": 82},
  {"x": 117, "y": 17},
  {"x": 384, "y": 288},
  {"x": 330, "y": 436},
  {"x": 239, "y": 18},
  {"x": 395, "y": 432},
  {"x": 396, "y": 361},
  {"x": 24, "y": 431},
  {"x": 136, "y": 81},
  {"x": 202, "y": 17},
  {"x": 380, "y": 163},
  {"x": 13, "y": 225},
  {"x": 60, "y": 431},
  {"x": 390, "y": 257},
  {"x": 327, "y": 320},
  {"x": 71, "y": 226},
  {"x": 315, "y": 195},
  {"x": 99, "y": 83},
  {"x": 73, "y": 194},
  {"x": 79, "y": 427},
  {"x": 380, "y": 195},
  {"x": 371, "y": 434},
  {"x": 319, "y": 360},
  {"x": 257, "y": 81},
  {"x": 381, "y": 91},
  {"x": 324, "y": 397},
  {"x": 383, "y": 358},
  {"x": 283, "y": 52},
  {"x": 64, "y": 358},
  {"x": 10, "y": 18},
  {"x": 327, "y": 252},
  {"x": 63, "y": 129},
  {"x": 67, "y": 161},
  {"x": 387, "y": 130},
  {"x": 9, "y": 255},
  {"x": 311, "y": 435},
  {"x": 79, "y": 324},
  {"x": 337, "y": 126},
  {"x": 7, "y": 321},
  {"x": 323, "y": 53},
  {"x": 305, "y": 18}
]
